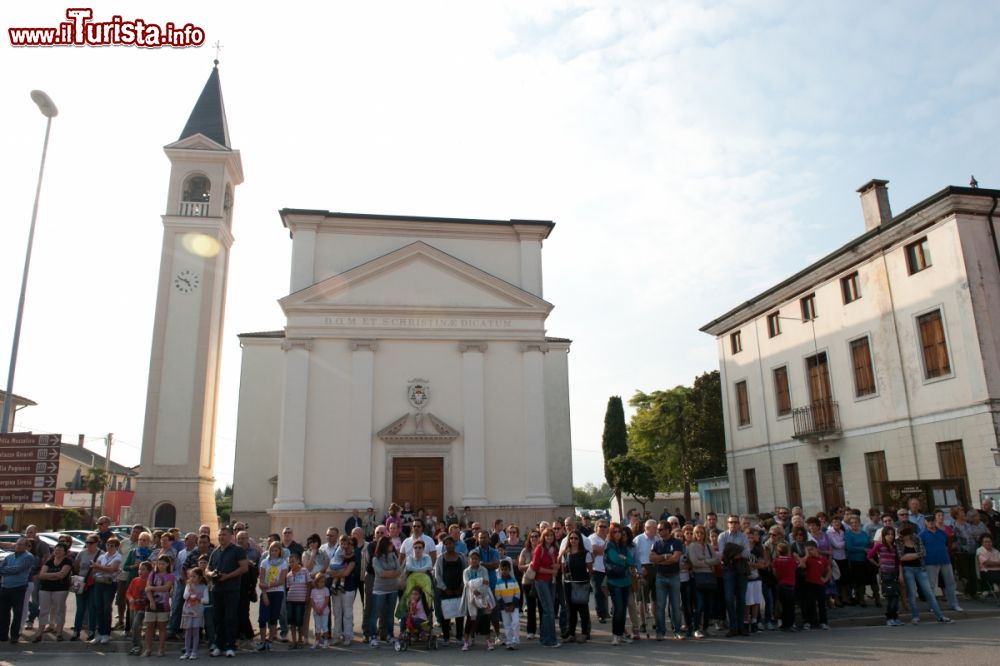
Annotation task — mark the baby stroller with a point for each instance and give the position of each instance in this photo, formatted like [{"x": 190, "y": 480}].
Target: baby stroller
[{"x": 417, "y": 631}]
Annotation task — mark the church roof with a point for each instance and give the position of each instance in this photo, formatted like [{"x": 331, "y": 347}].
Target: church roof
[
  {"x": 209, "y": 114},
  {"x": 409, "y": 218},
  {"x": 262, "y": 334}
]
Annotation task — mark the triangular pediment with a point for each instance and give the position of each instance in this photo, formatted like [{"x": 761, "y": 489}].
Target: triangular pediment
[
  {"x": 418, "y": 428},
  {"x": 418, "y": 275},
  {"x": 197, "y": 142}
]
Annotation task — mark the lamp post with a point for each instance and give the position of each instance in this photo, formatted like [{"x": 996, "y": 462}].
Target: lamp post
[{"x": 50, "y": 111}]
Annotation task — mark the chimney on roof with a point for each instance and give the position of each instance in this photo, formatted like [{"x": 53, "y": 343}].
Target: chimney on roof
[
  {"x": 875, "y": 203},
  {"x": 79, "y": 440}
]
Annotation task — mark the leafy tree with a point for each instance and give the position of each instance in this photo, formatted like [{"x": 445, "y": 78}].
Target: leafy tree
[
  {"x": 95, "y": 481},
  {"x": 708, "y": 430},
  {"x": 614, "y": 442},
  {"x": 635, "y": 478},
  {"x": 592, "y": 497},
  {"x": 224, "y": 503}
]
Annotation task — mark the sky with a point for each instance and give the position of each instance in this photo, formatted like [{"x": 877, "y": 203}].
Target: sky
[{"x": 692, "y": 154}]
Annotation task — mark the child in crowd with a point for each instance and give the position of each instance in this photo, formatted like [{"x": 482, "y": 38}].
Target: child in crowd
[
  {"x": 755, "y": 588},
  {"x": 137, "y": 603},
  {"x": 817, "y": 574},
  {"x": 477, "y": 602},
  {"x": 883, "y": 555},
  {"x": 337, "y": 564},
  {"x": 416, "y": 615},
  {"x": 298, "y": 582},
  {"x": 785, "y": 566},
  {"x": 273, "y": 571},
  {"x": 508, "y": 597},
  {"x": 319, "y": 601},
  {"x": 158, "y": 591},
  {"x": 193, "y": 613}
]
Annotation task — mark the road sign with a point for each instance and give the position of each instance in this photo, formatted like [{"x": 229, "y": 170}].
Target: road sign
[
  {"x": 29, "y": 439},
  {"x": 28, "y": 496},
  {"x": 26, "y": 454},
  {"x": 29, "y": 465}
]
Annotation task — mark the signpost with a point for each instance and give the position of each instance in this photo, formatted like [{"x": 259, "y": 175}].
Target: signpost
[{"x": 29, "y": 466}]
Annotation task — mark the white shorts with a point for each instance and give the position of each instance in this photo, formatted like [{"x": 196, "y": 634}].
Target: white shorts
[{"x": 755, "y": 594}]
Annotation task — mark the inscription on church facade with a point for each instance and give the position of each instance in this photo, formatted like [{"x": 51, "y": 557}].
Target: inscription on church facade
[{"x": 419, "y": 322}]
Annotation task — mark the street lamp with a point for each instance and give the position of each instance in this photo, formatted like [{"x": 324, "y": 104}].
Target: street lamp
[{"x": 50, "y": 111}]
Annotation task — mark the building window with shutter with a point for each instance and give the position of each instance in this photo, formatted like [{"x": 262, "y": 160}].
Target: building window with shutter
[
  {"x": 934, "y": 345},
  {"x": 850, "y": 287},
  {"x": 750, "y": 475},
  {"x": 793, "y": 491},
  {"x": 736, "y": 342},
  {"x": 808, "y": 304},
  {"x": 918, "y": 256},
  {"x": 743, "y": 403},
  {"x": 782, "y": 397},
  {"x": 864, "y": 371},
  {"x": 773, "y": 324},
  {"x": 877, "y": 473}
]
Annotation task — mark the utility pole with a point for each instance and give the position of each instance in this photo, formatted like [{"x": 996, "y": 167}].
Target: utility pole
[{"x": 107, "y": 468}]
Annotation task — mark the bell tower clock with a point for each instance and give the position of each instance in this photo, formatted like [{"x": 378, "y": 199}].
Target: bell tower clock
[{"x": 176, "y": 485}]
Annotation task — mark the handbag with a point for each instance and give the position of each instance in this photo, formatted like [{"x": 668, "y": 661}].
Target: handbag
[
  {"x": 76, "y": 584},
  {"x": 529, "y": 576},
  {"x": 705, "y": 581},
  {"x": 451, "y": 608},
  {"x": 579, "y": 594}
]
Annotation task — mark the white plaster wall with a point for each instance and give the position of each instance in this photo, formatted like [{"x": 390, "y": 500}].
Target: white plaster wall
[
  {"x": 328, "y": 448},
  {"x": 557, "y": 424},
  {"x": 336, "y": 253},
  {"x": 506, "y": 453},
  {"x": 258, "y": 424}
]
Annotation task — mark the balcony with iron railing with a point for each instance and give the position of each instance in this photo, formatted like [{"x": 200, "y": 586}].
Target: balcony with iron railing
[
  {"x": 817, "y": 421},
  {"x": 194, "y": 208}
]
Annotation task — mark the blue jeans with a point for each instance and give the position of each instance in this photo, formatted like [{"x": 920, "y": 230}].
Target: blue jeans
[
  {"x": 85, "y": 606},
  {"x": 600, "y": 598},
  {"x": 619, "y": 600},
  {"x": 917, "y": 577},
  {"x": 668, "y": 585},
  {"x": 103, "y": 598},
  {"x": 176, "y": 606},
  {"x": 382, "y": 605},
  {"x": 703, "y": 601},
  {"x": 769, "y": 597},
  {"x": 545, "y": 592},
  {"x": 948, "y": 573},
  {"x": 736, "y": 595}
]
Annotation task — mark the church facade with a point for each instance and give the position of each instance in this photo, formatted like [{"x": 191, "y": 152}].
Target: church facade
[{"x": 414, "y": 366}]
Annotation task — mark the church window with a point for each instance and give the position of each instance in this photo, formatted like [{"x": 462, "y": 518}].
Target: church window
[{"x": 196, "y": 197}]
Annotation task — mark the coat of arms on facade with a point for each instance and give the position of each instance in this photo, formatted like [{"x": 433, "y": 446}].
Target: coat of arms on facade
[{"x": 418, "y": 395}]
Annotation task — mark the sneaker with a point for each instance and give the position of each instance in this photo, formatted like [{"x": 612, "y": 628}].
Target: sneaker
[
  {"x": 699, "y": 634},
  {"x": 326, "y": 643},
  {"x": 944, "y": 619},
  {"x": 510, "y": 647},
  {"x": 806, "y": 626},
  {"x": 262, "y": 647},
  {"x": 230, "y": 653},
  {"x": 890, "y": 623},
  {"x": 184, "y": 656},
  {"x": 465, "y": 646},
  {"x": 958, "y": 608},
  {"x": 314, "y": 645},
  {"x": 531, "y": 637},
  {"x": 374, "y": 643},
  {"x": 615, "y": 641},
  {"x": 215, "y": 652},
  {"x": 915, "y": 620},
  {"x": 824, "y": 626},
  {"x": 678, "y": 636},
  {"x": 346, "y": 643},
  {"x": 557, "y": 644},
  {"x": 625, "y": 638}
]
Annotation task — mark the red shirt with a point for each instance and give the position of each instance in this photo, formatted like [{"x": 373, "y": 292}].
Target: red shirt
[
  {"x": 815, "y": 568},
  {"x": 543, "y": 558},
  {"x": 784, "y": 569}
]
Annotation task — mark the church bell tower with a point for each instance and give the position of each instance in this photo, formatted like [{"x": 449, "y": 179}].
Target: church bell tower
[{"x": 176, "y": 485}]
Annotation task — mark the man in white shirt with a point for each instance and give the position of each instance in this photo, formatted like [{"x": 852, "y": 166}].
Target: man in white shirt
[
  {"x": 417, "y": 534},
  {"x": 596, "y": 543},
  {"x": 643, "y": 545},
  {"x": 570, "y": 524}
]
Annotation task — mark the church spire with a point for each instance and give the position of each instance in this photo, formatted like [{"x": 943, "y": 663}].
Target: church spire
[{"x": 209, "y": 114}]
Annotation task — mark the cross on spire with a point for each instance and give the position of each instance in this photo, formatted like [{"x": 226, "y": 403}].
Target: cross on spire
[{"x": 218, "y": 50}]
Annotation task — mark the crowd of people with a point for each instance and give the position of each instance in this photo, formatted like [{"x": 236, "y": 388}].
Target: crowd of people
[{"x": 455, "y": 581}]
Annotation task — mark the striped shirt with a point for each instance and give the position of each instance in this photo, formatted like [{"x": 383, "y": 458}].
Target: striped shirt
[
  {"x": 298, "y": 584},
  {"x": 887, "y": 562}
]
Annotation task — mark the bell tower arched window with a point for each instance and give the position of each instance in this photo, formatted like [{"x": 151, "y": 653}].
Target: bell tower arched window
[{"x": 196, "y": 196}]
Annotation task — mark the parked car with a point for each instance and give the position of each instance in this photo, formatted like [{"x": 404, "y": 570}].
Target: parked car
[
  {"x": 80, "y": 535},
  {"x": 50, "y": 539}
]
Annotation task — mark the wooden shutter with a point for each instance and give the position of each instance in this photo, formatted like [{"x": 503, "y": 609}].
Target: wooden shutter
[
  {"x": 782, "y": 397},
  {"x": 877, "y": 473},
  {"x": 864, "y": 374},
  {"x": 934, "y": 345},
  {"x": 793, "y": 491},
  {"x": 750, "y": 475}
]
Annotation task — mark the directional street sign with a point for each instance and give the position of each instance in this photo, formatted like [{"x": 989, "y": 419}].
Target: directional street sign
[
  {"x": 29, "y": 465},
  {"x": 33, "y": 496},
  {"x": 19, "y": 468}
]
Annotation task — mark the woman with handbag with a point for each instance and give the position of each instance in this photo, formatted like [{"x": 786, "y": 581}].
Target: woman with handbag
[
  {"x": 703, "y": 559},
  {"x": 83, "y": 586},
  {"x": 619, "y": 566},
  {"x": 448, "y": 587},
  {"x": 545, "y": 563},
  {"x": 105, "y": 571},
  {"x": 528, "y": 581},
  {"x": 576, "y": 565}
]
